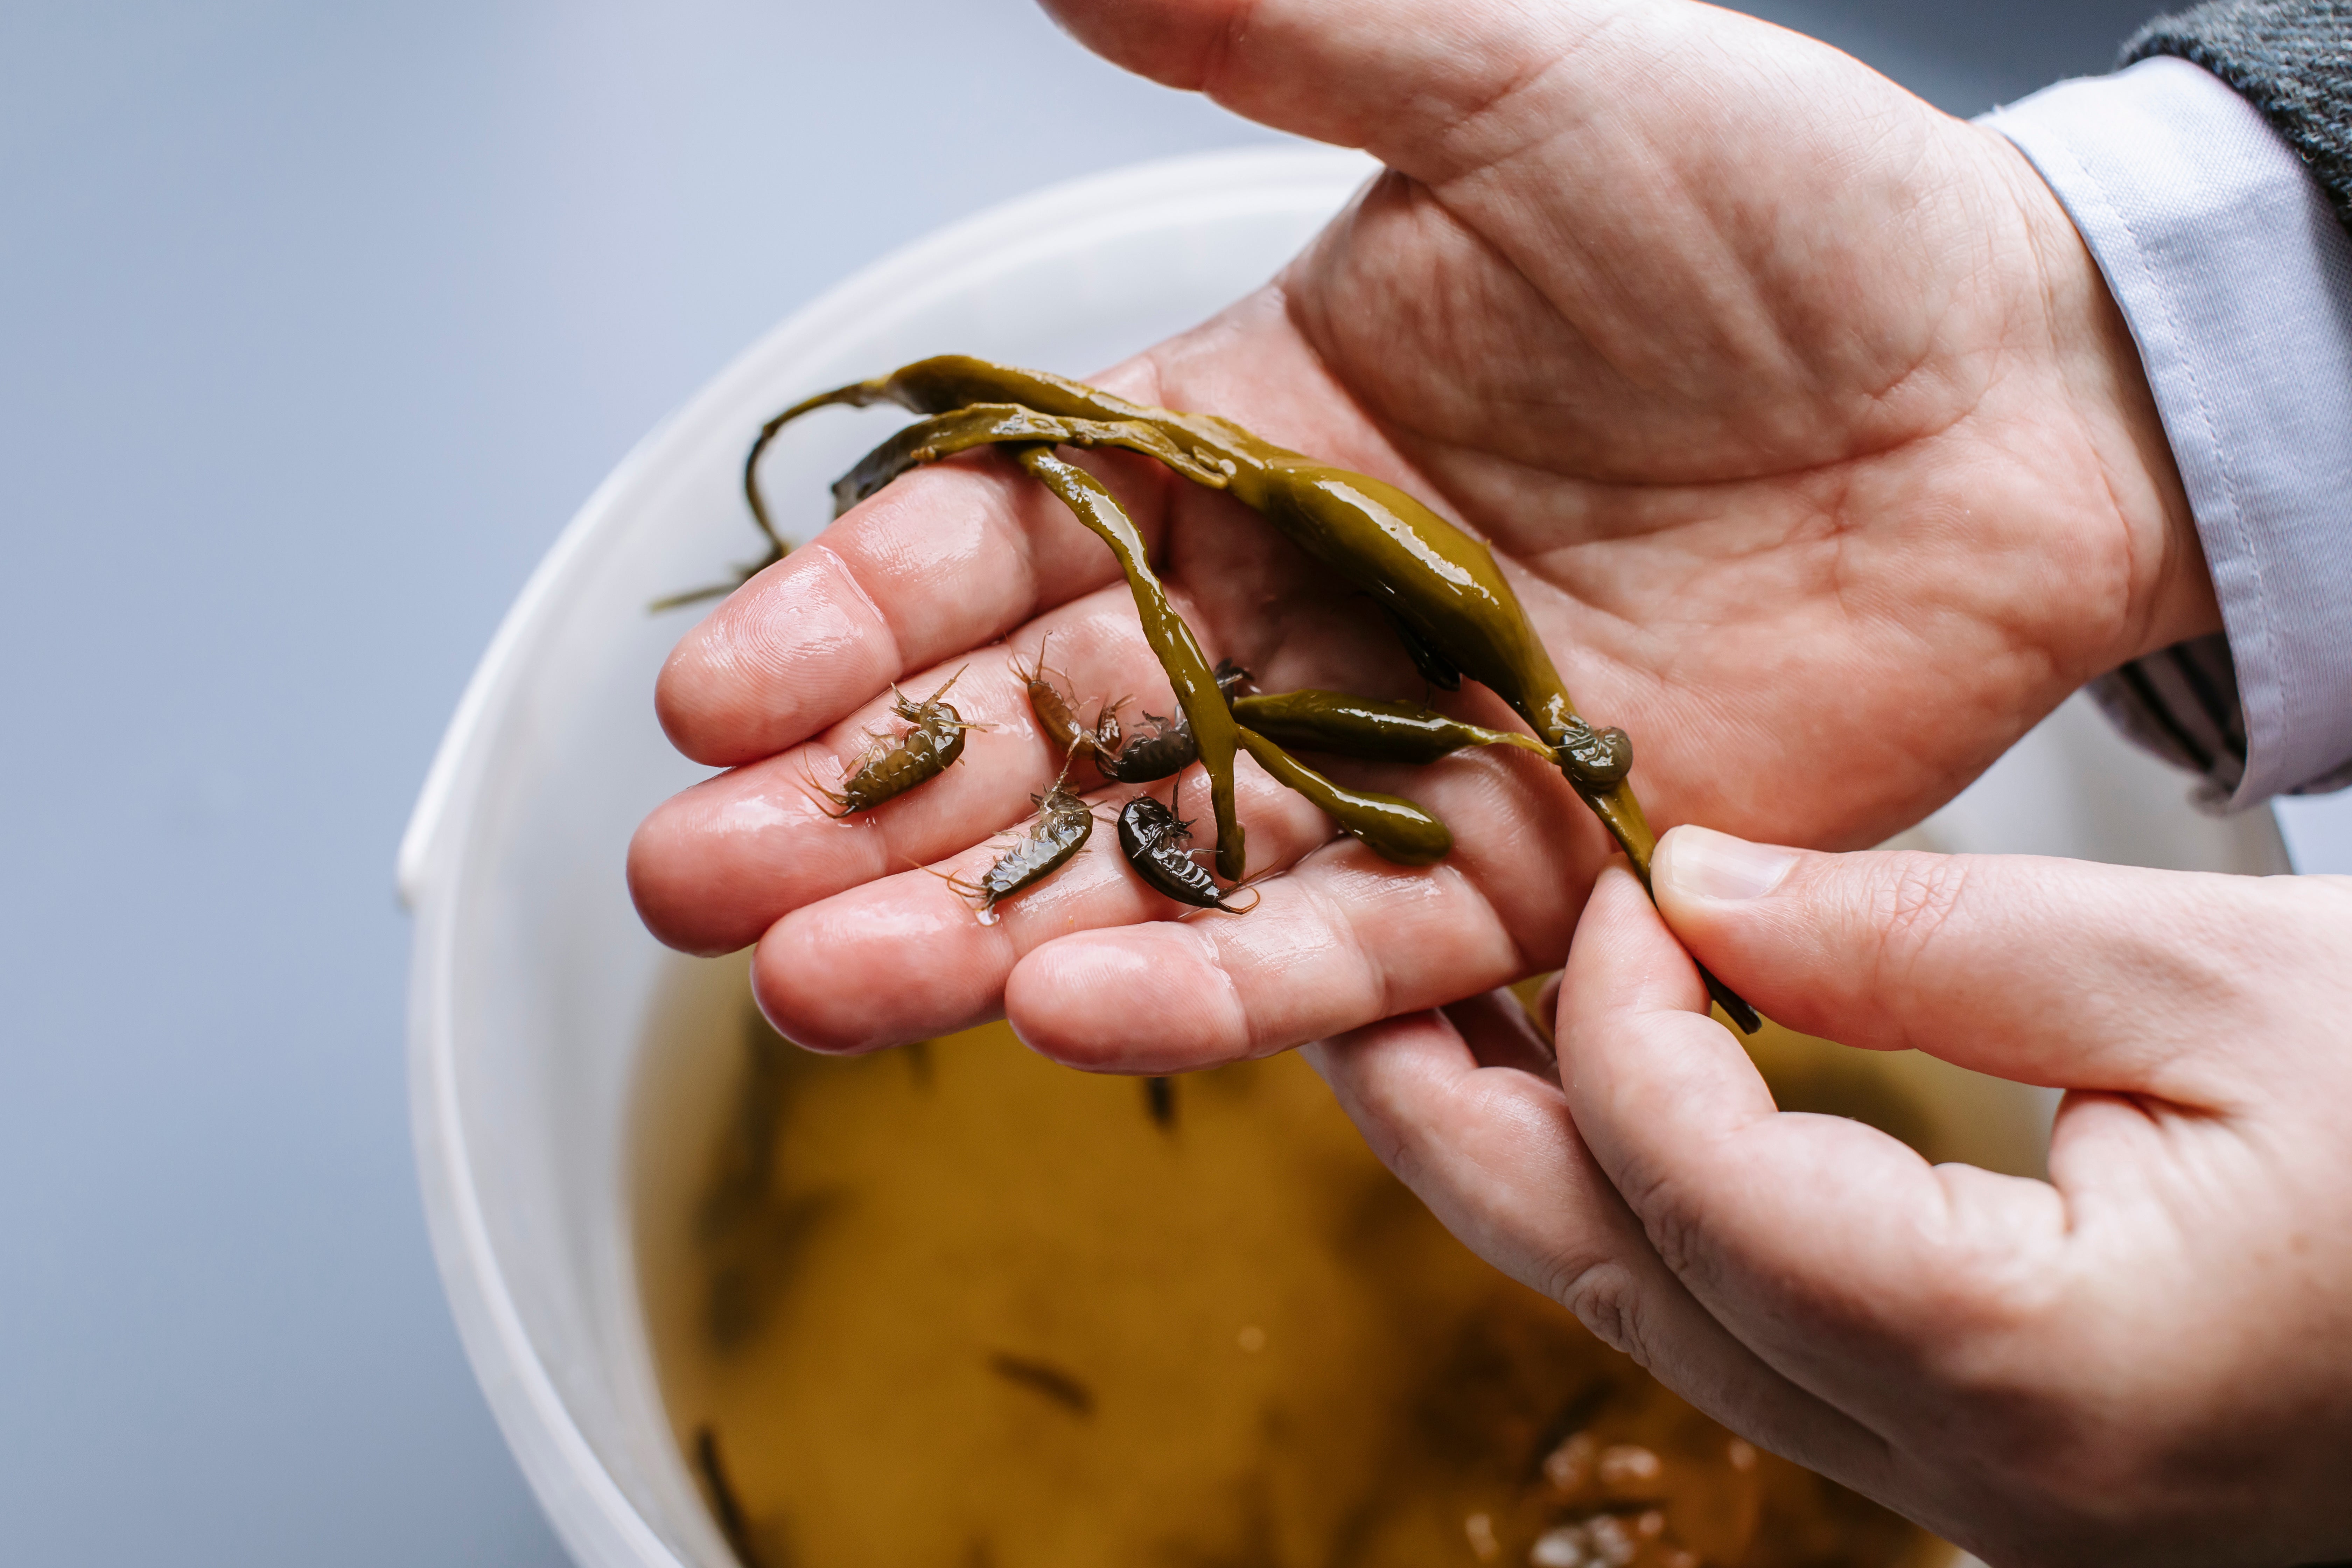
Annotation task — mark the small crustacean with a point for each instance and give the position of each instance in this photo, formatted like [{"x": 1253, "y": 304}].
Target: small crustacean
[
  {"x": 1155, "y": 843},
  {"x": 1060, "y": 719},
  {"x": 1167, "y": 747},
  {"x": 1065, "y": 823},
  {"x": 1369, "y": 728},
  {"x": 1161, "y": 747},
  {"x": 923, "y": 753}
]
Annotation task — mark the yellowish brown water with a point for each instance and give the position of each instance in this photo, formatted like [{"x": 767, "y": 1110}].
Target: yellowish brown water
[{"x": 957, "y": 1306}]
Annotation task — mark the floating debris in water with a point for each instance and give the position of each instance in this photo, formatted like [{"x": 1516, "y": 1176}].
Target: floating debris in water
[{"x": 1044, "y": 1378}]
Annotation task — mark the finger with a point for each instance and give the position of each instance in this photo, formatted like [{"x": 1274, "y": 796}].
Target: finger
[
  {"x": 1435, "y": 88},
  {"x": 1338, "y": 941},
  {"x": 1091, "y": 969},
  {"x": 1496, "y": 1155},
  {"x": 943, "y": 559},
  {"x": 1500, "y": 1034},
  {"x": 1835, "y": 1253},
  {"x": 718, "y": 864},
  {"x": 2030, "y": 968},
  {"x": 953, "y": 556},
  {"x": 1344, "y": 74},
  {"x": 906, "y": 957},
  {"x": 1416, "y": 82}
]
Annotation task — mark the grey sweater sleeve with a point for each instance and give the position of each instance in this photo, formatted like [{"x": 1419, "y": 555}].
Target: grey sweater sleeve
[{"x": 2290, "y": 61}]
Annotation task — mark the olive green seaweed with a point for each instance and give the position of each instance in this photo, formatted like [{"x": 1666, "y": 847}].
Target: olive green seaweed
[
  {"x": 1214, "y": 733},
  {"x": 1443, "y": 589},
  {"x": 1391, "y": 827},
  {"x": 1369, "y": 729}
]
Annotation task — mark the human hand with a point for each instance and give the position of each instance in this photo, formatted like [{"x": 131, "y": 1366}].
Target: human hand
[
  {"x": 2146, "y": 1360},
  {"x": 1795, "y": 409}
]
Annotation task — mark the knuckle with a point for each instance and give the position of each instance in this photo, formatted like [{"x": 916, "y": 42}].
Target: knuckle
[
  {"x": 1675, "y": 1235},
  {"x": 1910, "y": 907},
  {"x": 1606, "y": 1299},
  {"x": 1392, "y": 1144},
  {"x": 1671, "y": 1221}
]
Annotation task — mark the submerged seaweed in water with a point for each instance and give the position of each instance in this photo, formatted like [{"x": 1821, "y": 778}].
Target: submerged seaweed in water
[{"x": 978, "y": 1309}]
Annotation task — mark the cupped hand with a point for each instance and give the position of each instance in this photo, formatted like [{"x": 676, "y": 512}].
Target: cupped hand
[
  {"x": 2145, "y": 1360},
  {"x": 1802, "y": 421}
]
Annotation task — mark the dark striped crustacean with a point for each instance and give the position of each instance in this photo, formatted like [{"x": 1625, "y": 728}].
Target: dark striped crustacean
[
  {"x": 1166, "y": 747},
  {"x": 1155, "y": 843},
  {"x": 1159, "y": 747},
  {"x": 924, "y": 752}
]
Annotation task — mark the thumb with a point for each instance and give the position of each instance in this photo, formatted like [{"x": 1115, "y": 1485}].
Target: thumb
[
  {"x": 1390, "y": 72},
  {"x": 1433, "y": 88},
  {"x": 2062, "y": 972}
]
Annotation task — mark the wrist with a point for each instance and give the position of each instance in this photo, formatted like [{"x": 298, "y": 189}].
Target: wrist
[{"x": 2102, "y": 386}]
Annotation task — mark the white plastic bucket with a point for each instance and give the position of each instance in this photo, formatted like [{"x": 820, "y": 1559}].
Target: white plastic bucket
[{"x": 533, "y": 984}]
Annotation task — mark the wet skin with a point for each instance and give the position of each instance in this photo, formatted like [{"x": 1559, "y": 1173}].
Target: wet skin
[{"x": 1825, "y": 469}]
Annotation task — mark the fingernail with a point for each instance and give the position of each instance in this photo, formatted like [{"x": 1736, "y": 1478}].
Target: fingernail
[{"x": 1700, "y": 863}]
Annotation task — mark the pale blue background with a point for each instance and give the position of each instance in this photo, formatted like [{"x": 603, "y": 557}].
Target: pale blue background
[{"x": 316, "y": 322}]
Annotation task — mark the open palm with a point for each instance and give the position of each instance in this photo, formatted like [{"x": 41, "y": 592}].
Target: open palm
[{"x": 1805, "y": 425}]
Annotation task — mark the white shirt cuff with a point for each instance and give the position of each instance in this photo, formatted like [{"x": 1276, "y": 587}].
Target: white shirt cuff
[{"x": 2236, "y": 280}]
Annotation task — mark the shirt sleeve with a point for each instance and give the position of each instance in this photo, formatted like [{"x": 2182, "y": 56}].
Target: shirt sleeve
[{"x": 2235, "y": 275}]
